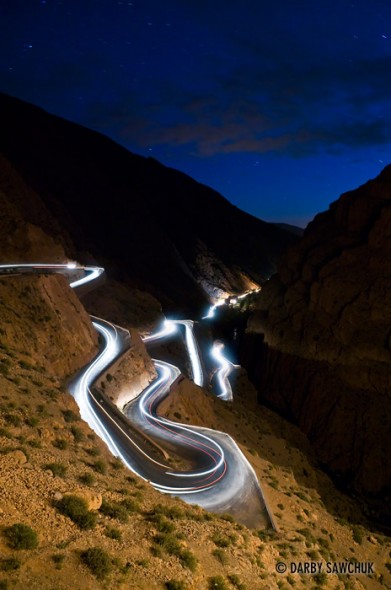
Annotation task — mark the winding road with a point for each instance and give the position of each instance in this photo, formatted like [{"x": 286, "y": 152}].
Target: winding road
[{"x": 219, "y": 478}]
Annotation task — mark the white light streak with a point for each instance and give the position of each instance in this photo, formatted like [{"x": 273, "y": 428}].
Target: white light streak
[{"x": 225, "y": 368}]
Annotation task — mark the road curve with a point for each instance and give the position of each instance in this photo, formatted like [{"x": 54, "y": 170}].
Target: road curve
[{"x": 220, "y": 479}]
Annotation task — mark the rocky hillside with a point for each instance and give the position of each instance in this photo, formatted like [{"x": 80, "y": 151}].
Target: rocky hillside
[
  {"x": 319, "y": 346},
  {"x": 155, "y": 227},
  {"x": 72, "y": 517}
]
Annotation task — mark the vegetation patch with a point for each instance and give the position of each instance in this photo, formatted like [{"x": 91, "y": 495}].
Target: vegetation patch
[
  {"x": 76, "y": 509},
  {"x": 10, "y": 564},
  {"x": 114, "y": 510},
  {"x": 98, "y": 561},
  {"x": 217, "y": 583},
  {"x": 21, "y": 536},
  {"x": 58, "y": 469}
]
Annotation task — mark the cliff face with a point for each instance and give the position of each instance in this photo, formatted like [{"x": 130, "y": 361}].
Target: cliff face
[
  {"x": 42, "y": 319},
  {"x": 161, "y": 230},
  {"x": 319, "y": 344}
]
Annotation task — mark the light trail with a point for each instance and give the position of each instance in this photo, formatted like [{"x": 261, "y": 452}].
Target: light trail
[
  {"x": 192, "y": 349},
  {"x": 212, "y": 309},
  {"x": 215, "y": 455},
  {"x": 223, "y": 372}
]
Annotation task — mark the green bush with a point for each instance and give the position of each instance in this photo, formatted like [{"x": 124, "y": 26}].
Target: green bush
[
  {"x": 175, "y": 585},
  {"x": 100, "y": 467},
  {"x": 31, "y": 421},
  {"x": 172, "y": 512},
  {"x": 235, "y": 581},
  {"x": 57, "y": 469},
  {"x": 221, "y": 540},
  {"x": 70, "y": 416},
  {"x": 220, "y": 555},
  {"x": 10, "y": 564},
  {"x": 58, "y": 558},
  {"x": 12, "y": 419},
  {"x": 114, "y": 510},
  {"x": 4, "y": 585},
  {"x": 357, "y": 534},
  {"x": 98, "y": 561},
  {"x": 60, "y": 443},
  {"x": 130, "y": 505},
  {"x": 77, "y": 434},
  {"x": 217, "y": 583},
  {"x": 113, "y": 533},
  {"x": 169, "y": 543},
  {"x": 21, "y": 536},
  {"x": 87, "y": 478},
  {"x": 76, "y": 509},
  {"x": 162, "y": 524},
  {"x": 188, "y": 559}
]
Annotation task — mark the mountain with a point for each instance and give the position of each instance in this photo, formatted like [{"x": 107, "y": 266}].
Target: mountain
[
  {"x": 72, "y": 516},
  {"x": 319, "y": 344},
  {"x": 163, "y": 231}
]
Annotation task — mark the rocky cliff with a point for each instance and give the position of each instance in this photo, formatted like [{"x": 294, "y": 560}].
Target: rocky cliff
[
  {"x": 319, "y": 344},
  {"x": 156, "y": 228}
]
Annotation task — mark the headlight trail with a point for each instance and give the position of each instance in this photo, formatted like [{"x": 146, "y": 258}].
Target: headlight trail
[
  {"x": 192, "y": 349},
  {"x": 223, "y": 372},
  {"x": 214, "y": 455}
]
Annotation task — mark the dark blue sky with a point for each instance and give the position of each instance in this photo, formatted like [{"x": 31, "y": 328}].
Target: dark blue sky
[{"x": 279, "y": 106}]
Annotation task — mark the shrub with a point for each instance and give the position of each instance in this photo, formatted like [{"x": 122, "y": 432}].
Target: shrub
[
  {"x": 36, "y": 444},
  {"x": 70, "y": 416},
  {"x": 113, "y": 533},
  {"x": 31, "y": 421},
  {"x": 76, "y": 509},
  {"x": 221, "y": 540},
  {"x": 21, "y": 536},
  {"x": 114, "y": 510},
  {"x": 100, "y": 467},
  {"x": 58, "y": 558},
  {"x": 168, "y": 542},
  {"x": 4, "y": 585},
  {"x": 227, "y": 517},
  {"x": 77, "y": 434},
  {"x": 162, "y": 524},
  {"x": 130, "y": 505},
  {"x": 98, "y": 561},
  {"x": 217, "y": 583},
  {"x": 60, "y": 443},
  {"x": 57, "y": 469},
  {"x": 12, "y": 419},
  {"x": 117, "y": 464},
  {"x": 320, "y": 578},
  {"x": 188, "y": 559},
  {"x": 357, "y": 534},
  {"x": 235, "y": 581},
  {"x": 220, "y": 555},
  {"x": 172, "y": 512},
  {"x": 6, "y": 433},
  {"x": 10, "y": 564},
  {"x": 175, "y": 585},
  {"x": 87, "y": 478}
]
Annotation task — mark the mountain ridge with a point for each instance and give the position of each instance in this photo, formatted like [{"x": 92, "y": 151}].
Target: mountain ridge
[{"x": 114, "y": 203}]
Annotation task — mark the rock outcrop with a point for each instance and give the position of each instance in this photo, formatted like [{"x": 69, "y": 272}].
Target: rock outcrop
[
  {"x": 130, "y": 375},
  {"x": 319, "y": 344},
  {"x": 42, "y": 318}
]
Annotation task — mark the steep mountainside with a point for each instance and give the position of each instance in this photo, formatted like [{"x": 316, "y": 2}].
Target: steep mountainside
[
  {"x": 319, "y": 345},
  {"x": 168, "y": 233}
]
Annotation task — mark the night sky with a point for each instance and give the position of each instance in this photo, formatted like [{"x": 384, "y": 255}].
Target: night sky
[{"x": 280, "y": 106}]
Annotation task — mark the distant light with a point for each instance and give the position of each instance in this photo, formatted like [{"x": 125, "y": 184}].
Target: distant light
[{"x": 71, "y": 265}]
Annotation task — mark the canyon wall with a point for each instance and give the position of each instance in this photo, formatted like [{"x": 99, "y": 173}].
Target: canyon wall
[{"x": 318, "y": 346}]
